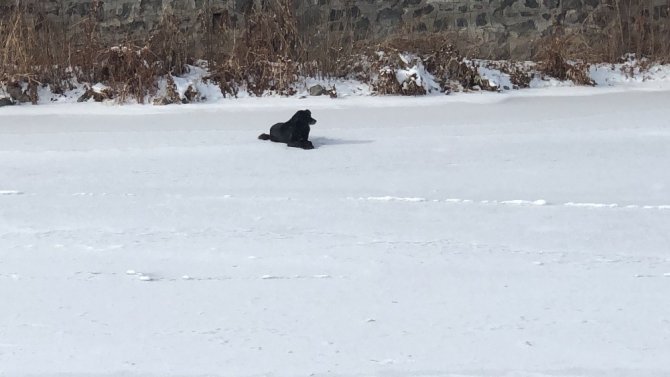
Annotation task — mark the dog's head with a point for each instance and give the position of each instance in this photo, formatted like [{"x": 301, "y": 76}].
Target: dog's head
[{"x": 305, "y": 116}]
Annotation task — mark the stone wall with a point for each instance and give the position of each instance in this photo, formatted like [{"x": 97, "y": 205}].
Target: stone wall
[{"x": 489, "y": 28}]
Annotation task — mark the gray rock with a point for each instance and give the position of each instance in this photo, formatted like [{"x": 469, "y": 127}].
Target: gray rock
[
  {"x": 523, "y": 27},
  {"x": 389, "y": 15},
  {"x": 17, "y": 94},
  {"x": 162, "y": 101},
  {"x": 317, "y": 90},
  {"x": 572, "y": 4},
  {"x": 6, "y": 101},
  {"x": 531, "y": 4},
  {"x": 572, "y": 16},
  {"x": 97, "y": 97},
  {"x": 551, "y": 4},
  {"x": 481, "y": 19},
  {"x": 428, "y": 9}
]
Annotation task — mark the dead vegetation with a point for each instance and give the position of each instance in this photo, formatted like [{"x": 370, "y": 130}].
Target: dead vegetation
[
  {"x": 554, "y": 62},
  {"x": 37, "y": 51},
  {"x": 268, "y": 56},
  {"x": 270, "y": 50},
  {"x": 621, "y": 27}
]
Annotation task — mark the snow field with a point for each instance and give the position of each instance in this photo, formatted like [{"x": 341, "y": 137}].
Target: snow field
[{"x": 518, "y": 237}]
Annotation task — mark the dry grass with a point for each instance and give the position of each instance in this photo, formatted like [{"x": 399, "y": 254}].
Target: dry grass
[
  {"x": 28, "y": 47},
  {"x": 554, "y": 62},
  {"x": 131, "y": 71},
  {"x": 36, "y": 51},
  {"x": 271, "y": 49},
  {"x": 169, "y": 46}
]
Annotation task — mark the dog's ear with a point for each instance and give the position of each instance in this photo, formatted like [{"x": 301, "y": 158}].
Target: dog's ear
[{"x": 310, "y": 120}]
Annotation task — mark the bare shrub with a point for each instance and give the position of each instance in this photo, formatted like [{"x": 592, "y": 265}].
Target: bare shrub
[
  {"x": 129, "y": 70},
  {"x": 84, "y": 45},
  {"x": 411, "y": 87},
  {"x": 519, "y": 77},
  {"x": 386, "y": 82},
  {"x": 228, "y": 77},
  {"x": 268, "y": 56},
  {"x": 30, "y": 49},
  {"x": 169, "y": 45},
  {"x": 554, "y": 62},
  {"x": 172, "y": 94},
  {"x": 620, "y": 27},
  {"x": 440, "y": 58}
]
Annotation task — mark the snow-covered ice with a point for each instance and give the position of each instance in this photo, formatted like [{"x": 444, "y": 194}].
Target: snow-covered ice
[{"x": 478, "y": 235}]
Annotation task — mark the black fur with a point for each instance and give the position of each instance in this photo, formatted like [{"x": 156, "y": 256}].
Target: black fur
[{"x": 294, "y": 132}]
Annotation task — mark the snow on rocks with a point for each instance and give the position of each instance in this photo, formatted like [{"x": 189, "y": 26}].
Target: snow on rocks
[
  {"x": 6, "y": 101},
  {"x": 415, "y": 74},
  {"x": 100, "y": 88},
  {"x": 495, "y": 77}
]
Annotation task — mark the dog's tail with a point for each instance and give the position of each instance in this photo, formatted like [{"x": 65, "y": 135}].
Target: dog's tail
[{"x": 264, "y": 137}]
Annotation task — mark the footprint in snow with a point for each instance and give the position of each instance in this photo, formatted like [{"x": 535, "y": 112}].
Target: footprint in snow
[{"x": 271, "y": 277}]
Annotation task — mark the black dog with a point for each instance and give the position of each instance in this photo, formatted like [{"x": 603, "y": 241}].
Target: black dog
[{"x": 294, "y": 133}]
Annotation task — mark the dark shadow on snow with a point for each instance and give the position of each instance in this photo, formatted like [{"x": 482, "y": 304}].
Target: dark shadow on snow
[{"x": 321, "y": 141}]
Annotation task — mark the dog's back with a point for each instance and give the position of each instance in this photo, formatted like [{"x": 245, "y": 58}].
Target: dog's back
[{"x": 275, "y": 133}]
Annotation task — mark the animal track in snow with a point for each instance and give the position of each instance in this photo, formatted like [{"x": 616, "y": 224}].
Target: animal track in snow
[
  {"x": 277, "y": 277},
  {"x": 394, "y": 198},
  {"x": 269, "y": 277},
  {"x": 101, "y": 194},
  {"x": 141, "y": 276}
]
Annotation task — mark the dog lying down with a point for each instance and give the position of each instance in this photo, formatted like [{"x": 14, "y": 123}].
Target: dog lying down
[{"x": 294, "y": 132}]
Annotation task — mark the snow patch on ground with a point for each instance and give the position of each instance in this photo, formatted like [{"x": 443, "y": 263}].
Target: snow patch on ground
[{"x": 632, "y": 71}]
